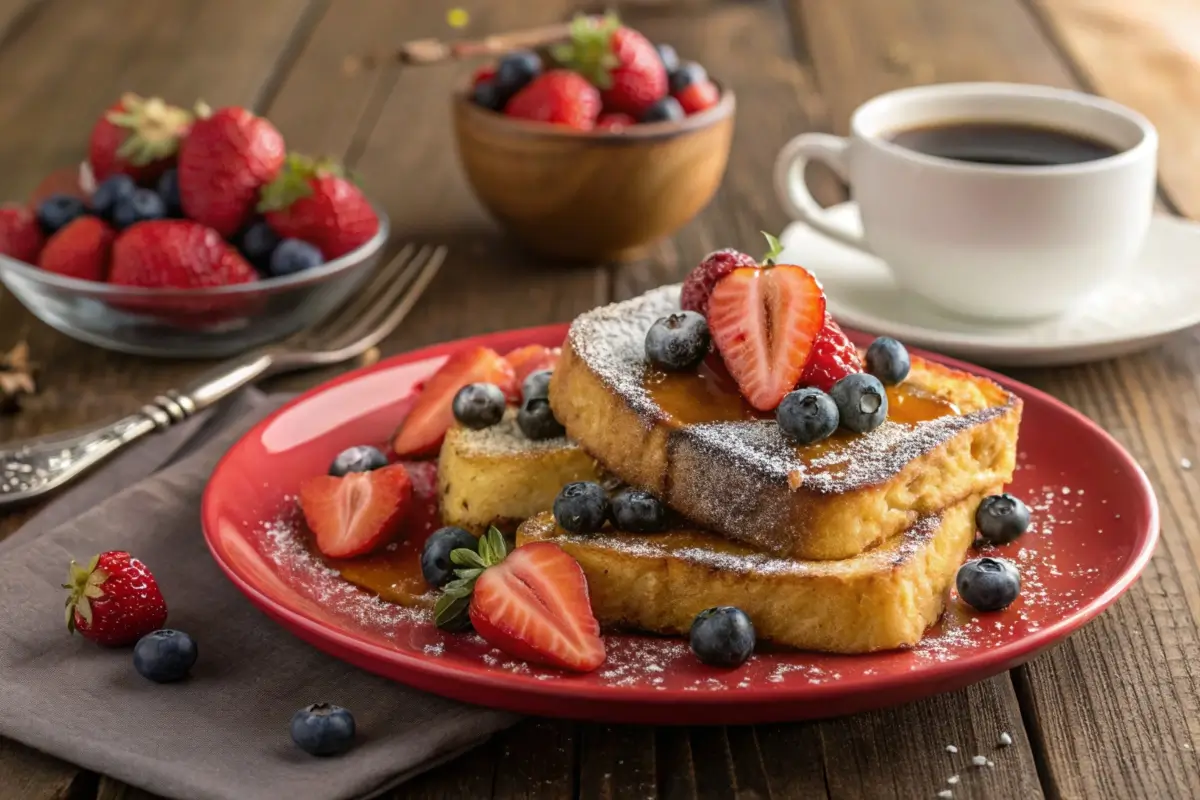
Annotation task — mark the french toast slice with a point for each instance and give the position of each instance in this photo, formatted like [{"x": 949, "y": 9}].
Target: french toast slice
[
  {"x": 692, "y": 440},
  {"x": 498, "y": 476},
  {"x": 882, "y": 599}
]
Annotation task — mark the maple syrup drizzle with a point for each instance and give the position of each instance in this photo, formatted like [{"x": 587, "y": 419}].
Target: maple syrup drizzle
[{"x": 394, "y": 575}]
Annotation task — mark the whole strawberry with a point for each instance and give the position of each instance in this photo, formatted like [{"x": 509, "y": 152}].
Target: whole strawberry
[
  {"x": 314, "y": 201},
  {"x": 619, "y": 60},
  {"x": 698, "y": 286},
  {"x": 80, "y": 250},
  {"x": 176, "y": 254},
  {"x": 138, "y": 137},
  {"x": 114, "y": 600},
  {"x": 560, "y": 97},
  {"x": 20, "y": 235},
  {"x": 228, "y": 156}
]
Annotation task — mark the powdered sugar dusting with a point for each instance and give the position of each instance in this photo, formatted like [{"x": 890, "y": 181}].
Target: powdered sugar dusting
[{"x": 506, "y": 439}]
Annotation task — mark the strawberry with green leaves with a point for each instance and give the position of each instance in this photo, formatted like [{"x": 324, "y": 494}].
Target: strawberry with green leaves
[
  {"x": 618, "y": 60},
  {"x": 114, "y": 600},
  {"x": 137, "y": 136},
  {"x": 315, "y": 201},
  {"x": 531, "y": 603}
]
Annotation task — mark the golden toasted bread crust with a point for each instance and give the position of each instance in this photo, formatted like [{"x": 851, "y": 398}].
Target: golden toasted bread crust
[
  {"x": 880, "y": 600},
  {"x": 498, "y": 476},
  {"x": 744, "y": 480}
]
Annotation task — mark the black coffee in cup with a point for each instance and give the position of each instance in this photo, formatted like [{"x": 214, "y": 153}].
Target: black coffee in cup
[{"x": 1002, "y": 143}]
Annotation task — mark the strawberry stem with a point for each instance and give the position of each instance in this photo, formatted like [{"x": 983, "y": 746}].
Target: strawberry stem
[{"x": 776, "y": 249}]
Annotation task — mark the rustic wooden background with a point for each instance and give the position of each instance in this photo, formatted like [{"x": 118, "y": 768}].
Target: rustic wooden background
[{"x": 1111, "y": 713}]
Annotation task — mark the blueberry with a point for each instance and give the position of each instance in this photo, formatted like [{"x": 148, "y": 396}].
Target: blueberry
[
  {"x": 360, "y": 458},
  {"x": 108, "y": 193},
  {"x": 537, "y": 384},
  {"x": 1001, "y": 518},
  {"x": 636, "y": 511},
  {"x": 257, "y": 243},
  {"x": 689, "y": 72},
  {"x": 168, "y": 190},
  {"x": 140, "y": 206},
  {"x": 292, "y": 256},
  {"x": 536, "y": 420},
  {"x": 478, "y": 405},
  {"x": 807, "y": 415},
  {"x": 164, "y": 656},
  {"x": 888, "y": 360},
  {"x": 668, "y": 57},
  {"x": 988, "y": 584},
  {"x": 665, "y": 110},
  {"x": 59, "y": 210},
  {"x": 488, "y": 95},
  {"x": 323, "y": 729},
  {"x": 435, "y": 558},
  {"x": 722, "y": 636},
  {"x": 515, "y": 70},
  {"x": 581, "y": 507},
  {"x": 678, "y": 342},
  {"x": 861, "y": 402}
]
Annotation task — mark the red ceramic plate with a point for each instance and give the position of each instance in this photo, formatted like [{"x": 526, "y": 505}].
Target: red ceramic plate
[{"x": 1096, "y": 522}]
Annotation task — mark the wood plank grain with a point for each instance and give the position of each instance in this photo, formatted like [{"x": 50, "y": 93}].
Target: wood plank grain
[
  {"x": 13, "y": 14},
  {"x": 31, "y": 775},
  {"x": 1112, "y": 711},
  {"x": 617, "y": 762}
]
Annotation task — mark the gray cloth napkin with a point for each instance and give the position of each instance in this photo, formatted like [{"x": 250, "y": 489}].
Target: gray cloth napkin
[{"x": 224, "y": 732}]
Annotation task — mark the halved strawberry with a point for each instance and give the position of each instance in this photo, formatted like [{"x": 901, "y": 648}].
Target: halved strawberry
[
  {"x": 358, "y": 512},
  {"x": 764, "y": 323},
  {"x": 833, "y": 357},
  {"x": 531, "y": 603},
  {"x": 531, "y": 358},
  {"x": 422, "y": 431}
]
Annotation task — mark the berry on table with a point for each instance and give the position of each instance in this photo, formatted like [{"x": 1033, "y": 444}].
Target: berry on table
[
  {"x": 140, "y": 206},
  {"x": 478, "y": 405},
  {"x": 668, "y": 57},
  {"x": 165, "y": 656},
  {"x": 698, "y": 286},
  {"x": 988, "y": 584},
  {"x": 833, "y": 357},
  {"x": 581, "y": 507},
  {"x": 360, "y": 458},
  {"x": 80, "y": 250},
  {"x": 436, "y": 566},
  {"x": 666, "y": 109},
  {"x": 560, "y": 97},
  {"x": 515, "y": 70},
  {"x": 861, "y": 401},
  {"x": 114, "y": 600},
  {"x": 323, "y": 729},
  {"x": 58, "y": 211},
  {"x": 537, "y": 421},
  {"x": 1001, "y": 518},
  {"x": 678, "y": 341},
  {"x": 689, "y": 72},
  {"x": 20, "y": 235},
  {"x": 638, "y": 511},
  {"x": 292, "y": 256},
  {"x": 696, "y": 97},
  {"x": 722, "y": 636},
  {"x": 110, "y": 192},
  {"x": 257, "y": 244},
  {"x": 807, "y": 415},
  {"x": 537, "y": 384},
  {"x": 888, "y": 360}
]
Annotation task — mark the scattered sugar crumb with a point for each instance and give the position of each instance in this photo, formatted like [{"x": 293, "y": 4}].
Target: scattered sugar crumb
[
  {"x": 953, "y": 779},
  {"x": 979, "y": 761},
  {"x": 1186, "y": 463},
  {"x": 1005, "y": 739},
  {"x": 990, "y": 764},
  {"x": 951, "y": 748},
  {"x": 945, "y": 793}
]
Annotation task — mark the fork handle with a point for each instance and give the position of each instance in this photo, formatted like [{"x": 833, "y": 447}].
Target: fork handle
[{"x": 41, "y": 466}]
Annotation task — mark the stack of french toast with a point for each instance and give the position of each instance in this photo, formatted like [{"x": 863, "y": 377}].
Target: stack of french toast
[{"x": 723, "y": 445}]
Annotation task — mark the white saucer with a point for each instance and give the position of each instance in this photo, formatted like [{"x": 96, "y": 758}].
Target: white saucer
[{"x": 1159, "y": 296}]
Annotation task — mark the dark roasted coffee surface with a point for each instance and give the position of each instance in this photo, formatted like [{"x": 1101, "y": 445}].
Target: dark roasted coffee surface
[{"x": 1003, "y": 144}]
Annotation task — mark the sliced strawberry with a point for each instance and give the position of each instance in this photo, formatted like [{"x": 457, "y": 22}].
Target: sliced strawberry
[
  {"x": 358, "y": 512},
  {"x": 764, "y": 322},
  {"x": 423, "y": 429},
  {"x": 531, "y": 358},
  {"x": 534, "y": 605},
  {"x": 833, "y": 357}
]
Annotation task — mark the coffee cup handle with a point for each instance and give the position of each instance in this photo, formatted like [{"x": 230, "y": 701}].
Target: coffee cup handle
[{"x": 792, "y": 188}]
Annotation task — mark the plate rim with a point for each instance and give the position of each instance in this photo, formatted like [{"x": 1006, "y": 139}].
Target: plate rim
[{"x": 987, "y": 661}]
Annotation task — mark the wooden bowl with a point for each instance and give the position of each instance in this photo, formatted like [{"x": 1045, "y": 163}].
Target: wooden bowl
[{"x": 594, "y": 195}]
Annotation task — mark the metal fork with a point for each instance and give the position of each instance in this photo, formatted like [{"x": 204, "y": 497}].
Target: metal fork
[{"x": 33, "y": 468}]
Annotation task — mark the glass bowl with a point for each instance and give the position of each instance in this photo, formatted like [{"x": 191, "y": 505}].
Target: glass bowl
[{"x": 191, "y": 323}]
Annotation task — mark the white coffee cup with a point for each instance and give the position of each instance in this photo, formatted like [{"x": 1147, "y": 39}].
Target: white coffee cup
[{"x": 1000, "y": 242}]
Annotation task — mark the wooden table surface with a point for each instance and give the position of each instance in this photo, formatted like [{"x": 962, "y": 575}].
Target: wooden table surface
[{"x": 1111, "y": 713}]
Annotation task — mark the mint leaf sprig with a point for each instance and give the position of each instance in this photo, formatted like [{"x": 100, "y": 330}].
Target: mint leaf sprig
[{"x": 450, "y": 610}]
